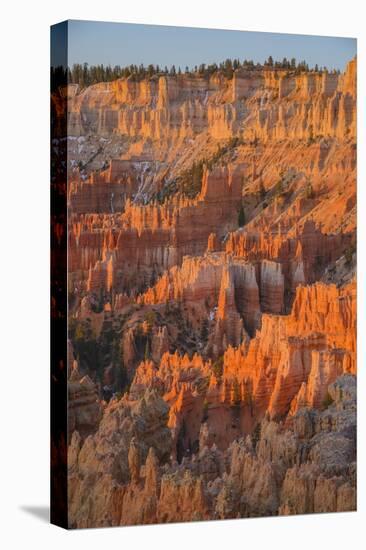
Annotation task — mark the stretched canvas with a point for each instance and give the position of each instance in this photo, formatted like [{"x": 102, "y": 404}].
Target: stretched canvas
[{"x": 203, "y": 193}]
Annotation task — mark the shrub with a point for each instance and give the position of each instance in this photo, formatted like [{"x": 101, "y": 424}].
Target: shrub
[
  {"x": 236, "y": 393},
  {"x": 328, "y": 401},
  {"x": 147, "y": 350},
  {"x": 262, "y": 191},
  {"x": 279, "y": 188},
  {"x": 309, "y": 191},
  {"x": 241, "y": 217},
  {"x": 150, "y": 317},
  {"x": 190, "y": 180},
  {"x": 256, "y": 435},
  {"x": 218, "y": 367},
  {"x": 204, "y": 330},
  {"x": 349, "y": 253}
]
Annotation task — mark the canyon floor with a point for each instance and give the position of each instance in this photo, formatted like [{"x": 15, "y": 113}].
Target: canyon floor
[{"x": 211, "y": 295}]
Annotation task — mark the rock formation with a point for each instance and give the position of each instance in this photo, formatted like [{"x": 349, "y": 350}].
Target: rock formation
[
  {"x": 212, "y": 296},
  {"x": 307, "y": 465}
]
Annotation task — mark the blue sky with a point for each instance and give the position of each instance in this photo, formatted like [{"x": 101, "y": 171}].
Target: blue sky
[{"x": 125, "y": 44}]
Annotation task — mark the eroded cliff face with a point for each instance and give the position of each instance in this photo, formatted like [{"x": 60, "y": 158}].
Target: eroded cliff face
[
  {"x": 269, "y": 104},
  {"x": 212, "y": 297},
  {"x": 306, "y": 465}
]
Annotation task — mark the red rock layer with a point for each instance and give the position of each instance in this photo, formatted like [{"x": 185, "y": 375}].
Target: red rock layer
[
  {"x": 228, "y": 320},
  {"x": 289, "y": 364},
  {"x": 278, "y": 105}
]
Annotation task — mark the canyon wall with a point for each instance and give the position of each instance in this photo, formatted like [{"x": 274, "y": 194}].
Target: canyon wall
[
  {"x": 269, "y": 104},
  {"x": 212, "y": 296}
]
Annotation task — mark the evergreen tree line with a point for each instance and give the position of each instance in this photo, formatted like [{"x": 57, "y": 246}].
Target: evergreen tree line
[
  {"x": 58, "y": 77},
  {"x": 85, "y": 75}
]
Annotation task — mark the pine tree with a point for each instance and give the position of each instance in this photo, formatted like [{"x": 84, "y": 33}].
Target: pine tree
[
  {"x": 262, "y": 191},
  {"x": 309, "y": 192},
  {"x": 241, "y": 217},
  {"x": 85, "y": 75},
  {"x": 147, "y": 351},
  {"x": 236, "y": 392}
]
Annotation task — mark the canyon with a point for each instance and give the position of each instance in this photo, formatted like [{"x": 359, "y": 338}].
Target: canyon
[{"x": 211, "y": 296}]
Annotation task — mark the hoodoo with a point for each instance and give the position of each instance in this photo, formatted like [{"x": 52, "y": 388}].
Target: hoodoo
[{"x": 212, "y": 294}]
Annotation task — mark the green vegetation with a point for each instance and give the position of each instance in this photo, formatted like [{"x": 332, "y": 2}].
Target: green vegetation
[
  {"x": 311, "y": 138},
  {"x": 241, "y": 217},
  {"x": 85, "y": 74},
  {"x": 248, "y": 399},
  {"x": 218, "y": 367},
  {"x": 233, "y": 142},
  {"x": 95, "y": 353},
  {"x": 119, "y": 367},
  {"x": 262, "y": 191},
  {"x": 150, "y": 318},
  {"x": 166, "y": 191},
  {"x": 204, "y": 330},
  {"x": 280, "y": 187},
  {"x": 205, "y": 411},
  {"x": 236, "y": 390},
  {"x": 190, "y": 180},
  {"x": 82, "y": 332},
  {"x": 147, "y": 350},
  {"x": 328, "y": 401},
  {"x": 309, "y": 191},
  {"x": 349, "y": 253},
  {"x": 85, "y": 345},
  {"x": 256, "y": 435}
]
